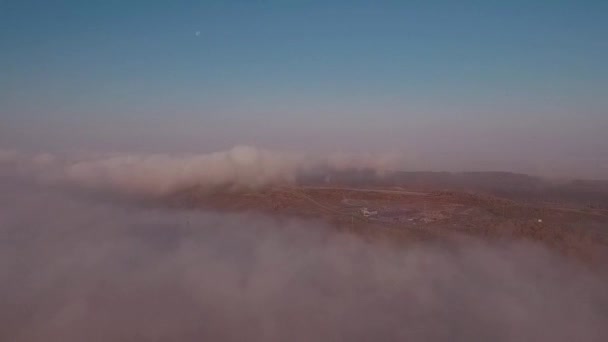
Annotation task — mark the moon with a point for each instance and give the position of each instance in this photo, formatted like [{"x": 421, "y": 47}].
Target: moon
[{"x": 197, "y": 33}]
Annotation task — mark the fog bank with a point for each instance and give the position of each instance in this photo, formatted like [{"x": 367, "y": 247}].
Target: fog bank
[
  {"x": 83, "y": 269},
  {"x": 161, "y": 174}
]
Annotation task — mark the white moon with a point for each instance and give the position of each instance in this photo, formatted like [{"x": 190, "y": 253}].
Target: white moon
[{"x": 198, "y": 33}]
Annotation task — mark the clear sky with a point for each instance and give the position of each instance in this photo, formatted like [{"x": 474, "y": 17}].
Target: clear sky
[{"x": 510, "y": 85}]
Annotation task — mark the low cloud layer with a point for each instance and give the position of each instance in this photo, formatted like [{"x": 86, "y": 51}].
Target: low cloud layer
[
  {"x": 160, "y": 174},
  {"x": 83, "y": 269}
]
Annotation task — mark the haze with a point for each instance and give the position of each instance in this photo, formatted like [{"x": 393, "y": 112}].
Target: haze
[
  {"x": 512, "y": 86},
  {"x": 184, "y": 170}
]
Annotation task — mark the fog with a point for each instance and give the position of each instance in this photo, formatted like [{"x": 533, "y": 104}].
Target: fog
[
  {"x": 152, "y": 175},
  {"x": 75, "y": 266}
]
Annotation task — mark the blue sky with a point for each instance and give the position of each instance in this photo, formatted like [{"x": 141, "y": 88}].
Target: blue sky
[{"x": 454, "y": 84}]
